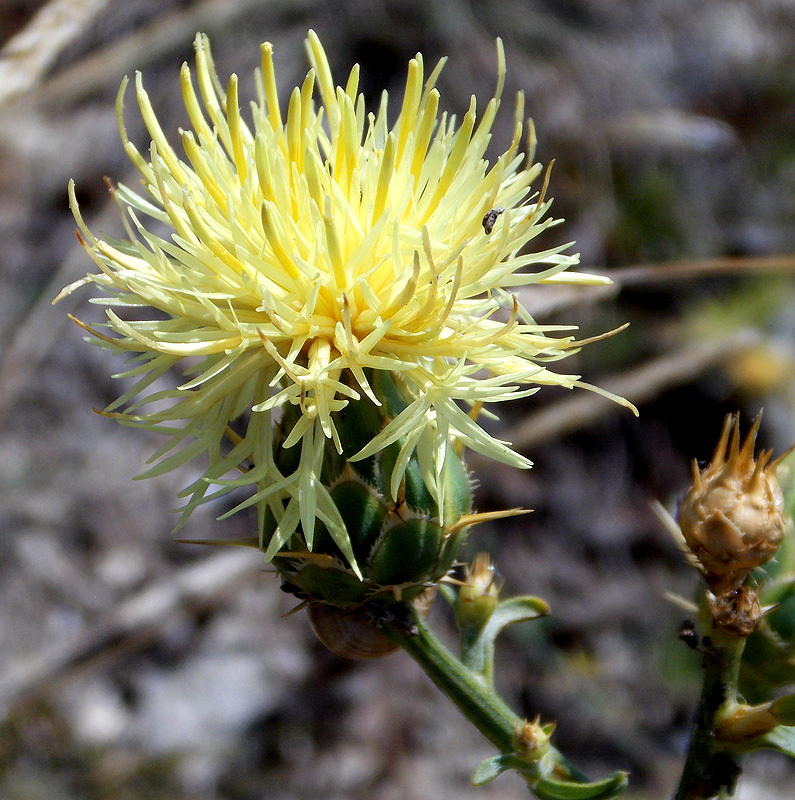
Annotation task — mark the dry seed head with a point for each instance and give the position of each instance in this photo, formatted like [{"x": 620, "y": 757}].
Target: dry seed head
[
  {"x": 731, "y": 518},
  {"x": 737, "y": 612}
]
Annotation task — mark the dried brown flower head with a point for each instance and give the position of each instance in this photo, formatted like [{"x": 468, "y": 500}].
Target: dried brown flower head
[{"x": 731, "y": 518}]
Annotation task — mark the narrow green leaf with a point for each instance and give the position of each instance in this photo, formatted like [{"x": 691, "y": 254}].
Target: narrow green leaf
[
  {"x": 489, "y": 769},
  {"x": 555, "y": 789},
  {"x": 517, "y": 609},
  {"x": 477, "y": 644},
  {"x": 781, "y": 739},
  {"x": 249, "y": 541},
  {"x": 448, "y": 593}
]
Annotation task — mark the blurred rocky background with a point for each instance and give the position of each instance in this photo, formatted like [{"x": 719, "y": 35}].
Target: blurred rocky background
[{"x": 134, "y": 667}]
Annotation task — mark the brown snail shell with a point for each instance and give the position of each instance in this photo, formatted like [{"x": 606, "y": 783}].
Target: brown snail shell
[{"x": 349, "y": 633}]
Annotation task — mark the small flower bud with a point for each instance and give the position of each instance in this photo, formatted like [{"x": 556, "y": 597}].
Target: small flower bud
[
  {"x": 731, "y": 517},
  {"x": 736, "y": 612},
  {"x": 479, "y": 594},
  {"x": 741, "y": 723},
  {"x": 532, "y": 739}
]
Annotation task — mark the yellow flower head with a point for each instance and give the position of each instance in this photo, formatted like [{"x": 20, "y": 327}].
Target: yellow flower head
[{"x": 305, "y": 253}]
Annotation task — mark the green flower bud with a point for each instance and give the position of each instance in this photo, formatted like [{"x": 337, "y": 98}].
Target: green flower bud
[
  {"x": 406, "y": 553},
  {"x": 479, "y": 594},
  {"x": 532, "y": 739},
  {"x": 402, "y": 542}
]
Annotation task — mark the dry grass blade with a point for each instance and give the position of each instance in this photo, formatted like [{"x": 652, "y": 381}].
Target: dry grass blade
[
  {"x": 647, "y": 274},
  {"x": 203, "y": 581},
  {"x": 27, "y": 56},
  {"x": 545, "y": 301},
  {"x": 32, "y": 338},
  {"x": 144, "y": 45},
  {"x": 638, "y": 386}
]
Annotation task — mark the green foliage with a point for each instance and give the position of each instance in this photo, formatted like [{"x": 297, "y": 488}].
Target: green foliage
[
  {"x": 544, "y": 785},
  {"x": 477, "y": 641},
  {"x": 647, "y": 225}
]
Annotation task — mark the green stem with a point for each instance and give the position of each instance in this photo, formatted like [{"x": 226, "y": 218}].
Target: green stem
[
  {"x": 478, "y": 702},
  {"x": 709, "y": 771},
  {"x": 473, "y": 696}
]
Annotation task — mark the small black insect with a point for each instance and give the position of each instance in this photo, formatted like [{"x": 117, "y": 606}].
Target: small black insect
[
  {"x": 491, "y": 218},
  {"x": 380, "y": 615},
  {"x": 704, "y": 647},
  {"x": 688, "y": 635}
]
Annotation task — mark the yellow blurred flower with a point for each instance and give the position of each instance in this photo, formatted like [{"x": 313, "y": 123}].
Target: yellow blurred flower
[{"x": 309, "y": 249}]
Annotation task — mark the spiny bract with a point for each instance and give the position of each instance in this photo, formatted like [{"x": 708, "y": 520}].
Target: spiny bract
[{"x": 731, "y": 518}]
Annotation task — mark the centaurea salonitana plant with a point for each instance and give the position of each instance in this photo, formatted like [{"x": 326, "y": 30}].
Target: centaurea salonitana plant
[{"x": 340, "y": 294}]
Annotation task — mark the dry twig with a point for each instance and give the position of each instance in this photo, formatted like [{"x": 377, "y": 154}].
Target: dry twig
[{"x": 139, "y": 616}]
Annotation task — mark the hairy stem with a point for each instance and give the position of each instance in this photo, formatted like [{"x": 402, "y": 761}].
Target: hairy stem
[
  {"x": 477, "y": 701},
  {"x": 473, "y": 696}
]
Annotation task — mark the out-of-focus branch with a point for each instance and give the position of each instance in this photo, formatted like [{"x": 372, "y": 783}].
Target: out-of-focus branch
[
  {"x": 543, "y": 301},
  {"x": 28, "y": 55},
  {"x": 672, "y": 271},
  {"x": 639, "y": 386},
  {"x": 137, "y": 617},
  {"x": 146, "y": 44}
]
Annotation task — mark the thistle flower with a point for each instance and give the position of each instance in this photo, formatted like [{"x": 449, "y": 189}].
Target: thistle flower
[{"x": 306, "y": 254}]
